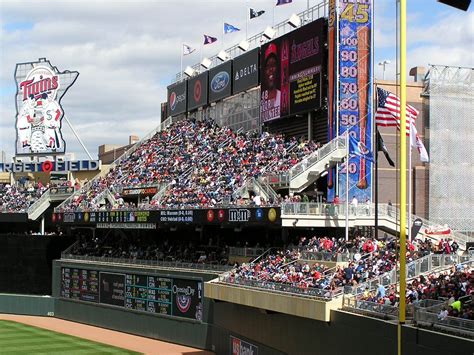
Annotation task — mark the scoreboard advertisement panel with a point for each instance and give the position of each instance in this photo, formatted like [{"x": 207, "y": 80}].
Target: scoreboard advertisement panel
[
  {"x": 291, "y": 72},
  {"x": 146, "y": 293},
  {"x": 220, "y": 83},
  {"x": 245, "y": 71},
  {"x": 197, "y": 91},
  {"x": 177, "y": 99}
]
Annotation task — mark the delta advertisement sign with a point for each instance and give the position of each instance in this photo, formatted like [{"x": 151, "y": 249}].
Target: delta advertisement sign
[{"x": 39, "y": 114}]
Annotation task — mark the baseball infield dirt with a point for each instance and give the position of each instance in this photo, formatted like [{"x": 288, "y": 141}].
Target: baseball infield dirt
[{"x": 101, "y": 335}]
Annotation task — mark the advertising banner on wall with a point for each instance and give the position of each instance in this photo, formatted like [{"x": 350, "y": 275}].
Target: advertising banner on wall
[
  {"x": 39, "y": 114},
  {"x": 245, "y": 71},
  {"x": 291, "y": 72},
  {"x": 355, "y": 93},
  {"x": 197, "y": 91},
  {"x": 177, "y": 98},
  {"x": 220, "y": 83}
]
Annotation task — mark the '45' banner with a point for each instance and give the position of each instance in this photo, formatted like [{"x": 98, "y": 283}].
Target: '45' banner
[{"x": 350, "y": 101}]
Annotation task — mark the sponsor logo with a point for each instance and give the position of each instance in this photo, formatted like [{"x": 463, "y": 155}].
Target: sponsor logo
[
  {"x": 176, "y": 99},
  {"x": 240, "y": 347},
  {"x": 272, "y": 215},
  {"x": 183, "y": 297},
  {"x": 210, "y": 215},
  {"x": 86, "y": 217},
  {"x": 197, "y": 90},
  {"x": 220, "y": 81},
  {"x": 54, "y": 217},
  {"x": 221, "y": 215},
  {"x": 243, "y": 72},
  {"x": 69, "y": 218},
  {"x": 259, "y": 213},
  {"x": 239, "y": 215}
]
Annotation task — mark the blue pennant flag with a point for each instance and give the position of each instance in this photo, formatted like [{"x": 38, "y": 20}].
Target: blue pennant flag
[
  {"x": 358, "y": 148},
  {"x": 228, "y": 28},
  {"x": 209, "y": 39},
  {"x": 283, "y": 2}
]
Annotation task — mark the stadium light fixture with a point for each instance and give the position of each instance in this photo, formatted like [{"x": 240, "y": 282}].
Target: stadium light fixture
[
  {"x": 269, "y": 33},
  {"x": 458, "y": 4},
  {"x": 189, "y": 72},
  {"x": 244, "y": 45},
  {"x": 383, "y": 64},
  {"x": 206, "y": 63},
  {"x": 223, "y": 55},
  {"x": 294, "y": 21}
]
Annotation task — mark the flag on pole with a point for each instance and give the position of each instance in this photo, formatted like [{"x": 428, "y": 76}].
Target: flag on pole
[
  {"x": 228, "y": 28},
  {"x": 254, "y": 13},
  {"x": 283, "y": 2},
  {"x": 417, "y": 143},
  {"x": 187, "y": 50},
  {"x": 381, "y": 147},
  {"x": 388, "y": 114},
  {"x": 209, "y": 39},
  {"x": 388, "y": 110},
  {"x": 360, "y": 149}
]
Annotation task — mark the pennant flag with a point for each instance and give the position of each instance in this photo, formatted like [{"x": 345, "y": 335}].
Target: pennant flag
[
  {"x": 381, "y": 147},
  {"x": 388, "y": 114},
  {"x": 228, "y": 28},
  {"x": 187, "y": 50},
  {"x": 360, "y": 149},
  {"x": 283, "y": 2},
  {"x": 209, "y": 39},
  {"x": 254, "y": 13}
]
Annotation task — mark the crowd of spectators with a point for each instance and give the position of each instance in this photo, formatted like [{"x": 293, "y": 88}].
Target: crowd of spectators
[
  {"x": 454, "y": 286},
  {"x": 17, "y": 198},
  {"x": 202, "y": 164}
]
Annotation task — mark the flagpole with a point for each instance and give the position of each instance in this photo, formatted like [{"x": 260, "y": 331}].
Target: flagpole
[
  {"x": 347, "y": 186},
  {"x": 273, "y": 20},
  {"x": 181, "y": 72},
  {"x": 410, "y": 185},
  {"x": 247, "y": 15}
]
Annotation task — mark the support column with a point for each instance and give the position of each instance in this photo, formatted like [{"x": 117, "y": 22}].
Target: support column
[{"x": 42, "y": 225}]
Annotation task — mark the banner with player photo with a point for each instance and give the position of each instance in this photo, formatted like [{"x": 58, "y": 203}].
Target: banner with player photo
[
  {"x": 40, "y": 88},
  {"x": 355, "y": 95},
  {"x": 291, "y": 72}
]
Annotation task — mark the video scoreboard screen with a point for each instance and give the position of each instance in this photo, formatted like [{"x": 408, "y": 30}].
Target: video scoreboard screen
[{"x": 145, "y": 293}]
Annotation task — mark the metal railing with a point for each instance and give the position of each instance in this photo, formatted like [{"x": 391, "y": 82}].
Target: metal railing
[
  {"x": 311, "y": 14},
  {"x": 426, "y": 264},
  {"x": 151, "y": 263},
  {"x": 375, "y": 309},
  {"x": 279, "y": 287},
  {"x": 45, "y": 197},
  {"x": 313, "y": 158},
  {"x": 246, "y": 252},
  {"x": 424, "y": 317}
]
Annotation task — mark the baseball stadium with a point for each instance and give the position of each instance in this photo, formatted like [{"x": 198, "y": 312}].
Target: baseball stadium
[{"x": 275, "y": 208}]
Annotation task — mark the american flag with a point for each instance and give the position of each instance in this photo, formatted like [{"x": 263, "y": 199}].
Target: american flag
[
  {"x": 388, "y": 114},
  {"x": 388, "y": 111}
]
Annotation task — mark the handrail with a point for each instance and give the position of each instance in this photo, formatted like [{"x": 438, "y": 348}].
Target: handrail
[
  {"x": 43, "y": 197},
  {"x": 311, "y": 159},
  {"x": 155, "y": 263}
]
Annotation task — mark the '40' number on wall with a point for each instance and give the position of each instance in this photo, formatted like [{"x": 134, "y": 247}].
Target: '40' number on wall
[{"x": 356, "y": 13}]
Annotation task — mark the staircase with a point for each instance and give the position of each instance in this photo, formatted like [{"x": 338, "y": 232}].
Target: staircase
[
  {"x": 258, "y": 187},
  {"x": 38, "y": 208},
  {"x": 311, "y": 167}
]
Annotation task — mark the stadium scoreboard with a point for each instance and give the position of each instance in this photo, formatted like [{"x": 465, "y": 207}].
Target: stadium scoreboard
[{"x": 146, "y": 293}]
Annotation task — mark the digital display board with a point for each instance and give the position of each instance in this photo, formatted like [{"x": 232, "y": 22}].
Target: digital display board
[
  {"x": 146, "y": 293},
  {"x": 291, "y": 72},
  {"x": 197, "y": 91},
  {"x": 177, "y": 98},
  {"x": 220, "y": 83},
  {"x": 245, "y": 73}
]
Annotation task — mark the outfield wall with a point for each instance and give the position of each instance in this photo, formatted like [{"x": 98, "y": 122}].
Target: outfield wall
[{"x": 266, "y": 332}]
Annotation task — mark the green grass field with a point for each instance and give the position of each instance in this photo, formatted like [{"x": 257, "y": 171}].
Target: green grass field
[{"x": 18, "y": 338}]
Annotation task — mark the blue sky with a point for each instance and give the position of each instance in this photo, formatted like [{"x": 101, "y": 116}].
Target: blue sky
[{"x": 128, "y": 51}]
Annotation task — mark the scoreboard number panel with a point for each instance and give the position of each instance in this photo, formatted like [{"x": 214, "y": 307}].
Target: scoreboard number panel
[{"x": 174, "y": 297}]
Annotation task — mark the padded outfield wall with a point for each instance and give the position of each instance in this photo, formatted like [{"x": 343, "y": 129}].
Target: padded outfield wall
[{"x": 226, "y": 326}]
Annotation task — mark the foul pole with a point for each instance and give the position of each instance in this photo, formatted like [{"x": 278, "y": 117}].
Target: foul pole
[{"x": 403, "y": 171}]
